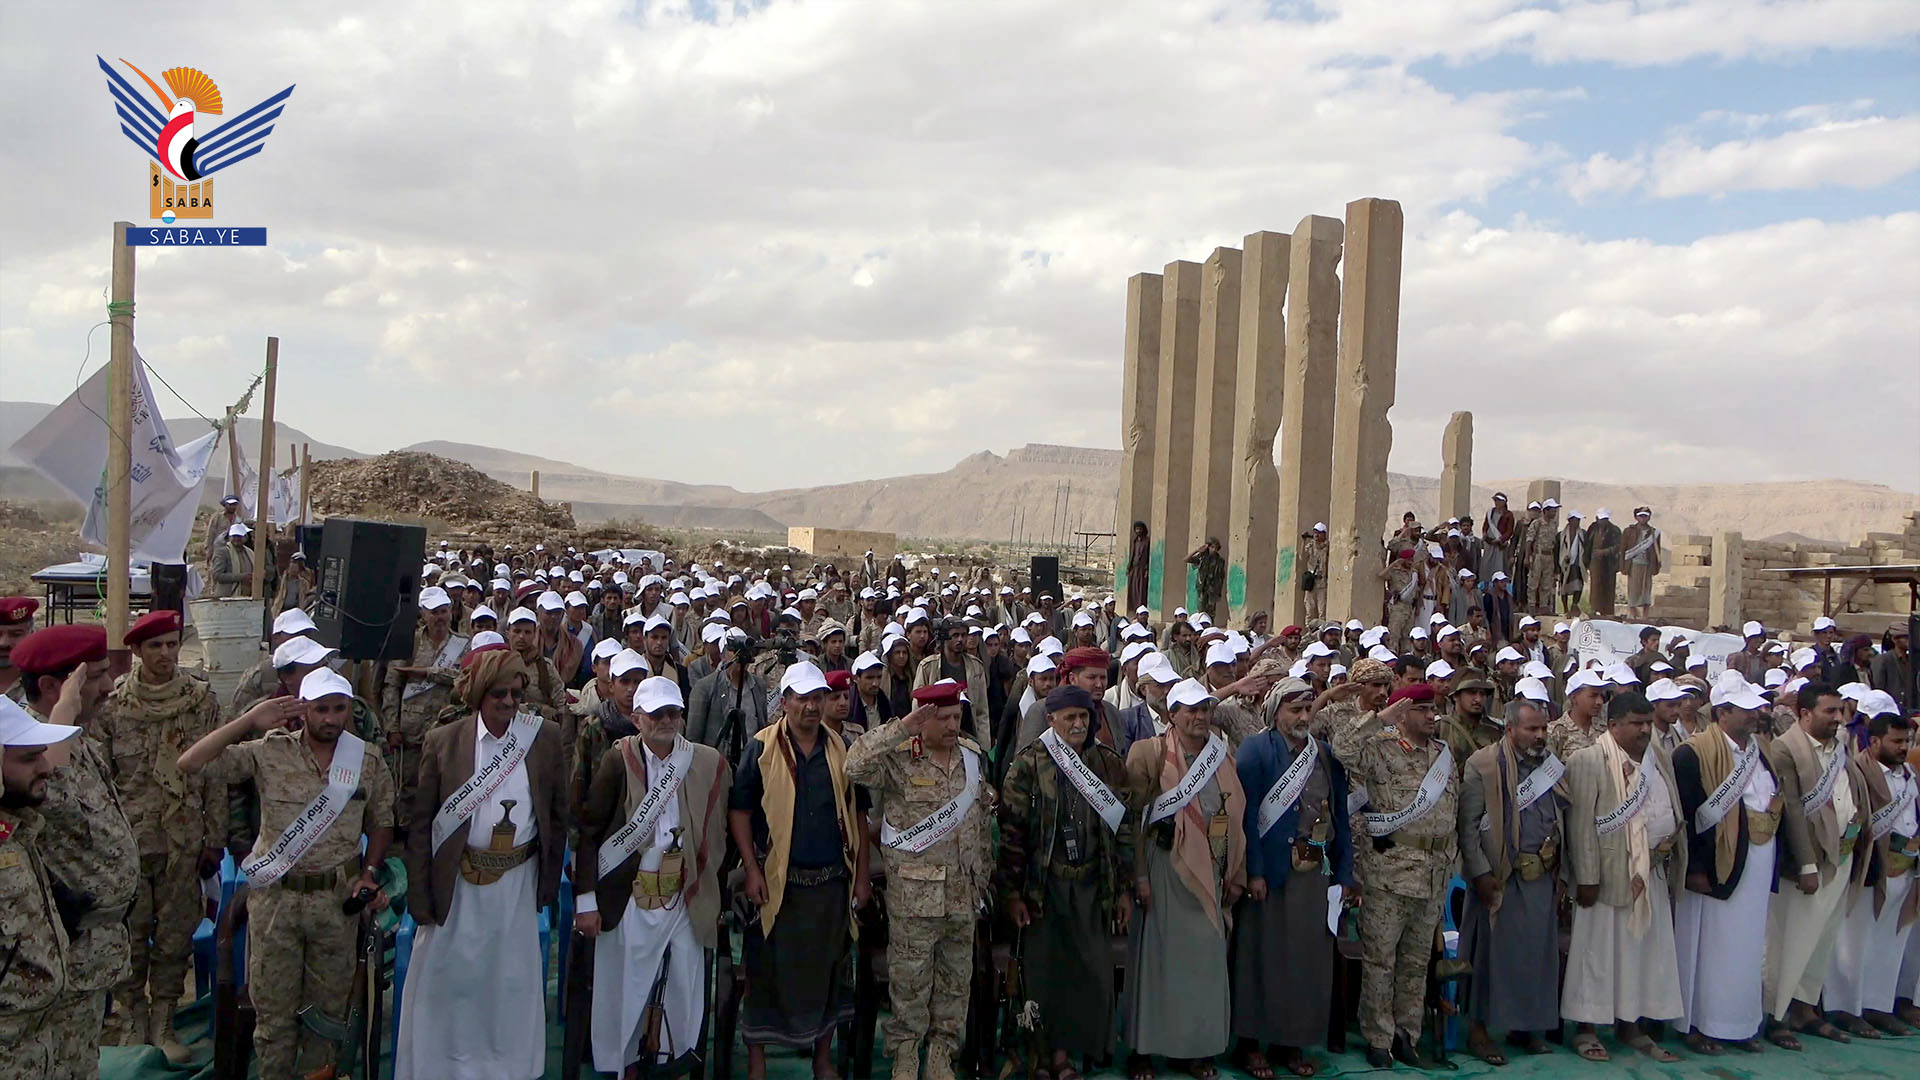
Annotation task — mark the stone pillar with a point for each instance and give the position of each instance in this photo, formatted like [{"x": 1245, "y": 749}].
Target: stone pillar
[
  {"x": 1542, "y": 490},
  {"x": 1139, "y": 419},
  {"x": 1258, "y": 392},
  {"x": 1363, "y": 392},
  {"x": 1213, "y": 404},
  {"x": 1173, "y": 441},
  {"x": 1725, "y": 578},
  {"x": 1306, "y": 407},
  {"x": 1456, "y": 467},
  {"x": 536, "y": 483}
]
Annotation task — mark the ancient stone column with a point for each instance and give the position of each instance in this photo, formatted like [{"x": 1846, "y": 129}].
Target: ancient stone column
[
  {"x": 1258, "y": 393},
  {"x": 1725, "y": 579},
  {"x": 1213, "y": 403},
  {"x": 1363, "y": 392},
  {"x": 1139, "y": 418},
  {"x": 1173, "y": 443},
  {"x": 1306, "y": 407},
  {"x": 1456, "y": 466},
  {"x": 1542, "y": 490}
]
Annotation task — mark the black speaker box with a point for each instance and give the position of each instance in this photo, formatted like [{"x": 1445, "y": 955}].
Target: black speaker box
[
  {"x": 308, "y": 538},
  {"x": 368, "y": 586},
  {"x": 1046, "y": 577}
]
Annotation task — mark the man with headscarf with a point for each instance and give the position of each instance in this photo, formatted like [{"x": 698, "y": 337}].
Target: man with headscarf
[
  {"x": 1573, "y": 563},
  {"x": 92, "y": 853},
  {"x": 1823, "y": 805},
  {"x": 1190, "y": 866},
  {"x": 322, "y": 789},
  {"x": 155, "y": 712},
  {"x": 934, "y": 806},
  {"x": 1640, "y": 557},
  {"x": 652, "y": 835},
  {"x": 1603, "y": 563},
  {"x": 1086, "y": 668},
  {"x": 1627, "y": 862},
  {"x": 1413, "y": 812},
  {"x": 1497, "y": 532},
  {"x": 800, "y": 827},
  {"x": 1730, "y": 802},
  {"x": 1298, "y": 841},
  {"x": 1065, "y": 876},
  {"x": 490, "y": 814},
  {"x": 1509, "y": 836},
  {"x": 416, "y": 692}
]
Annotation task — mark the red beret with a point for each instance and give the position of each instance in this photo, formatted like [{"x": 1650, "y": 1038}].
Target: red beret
[
  {"x": 1086, "y": 656},
  {"x": 1418, "y": 693},
  {"x": 943, "y": 693},
  {"x": 60, "y": 649},
  {"x": 838, "y": 680},
  {"x": 152, "y": 625},
  {"x": 1291, "y": 629},
  {"x": 15, "y": 610}
]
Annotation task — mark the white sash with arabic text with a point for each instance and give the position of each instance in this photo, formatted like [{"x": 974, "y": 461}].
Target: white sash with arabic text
[
  {"x": 1727, "y": 795},
  {"x": 343, "y": 779},
  {"x": 1630, "y": 807},
  {"x": 1822, "y": 792},
  {"x": 940, "y": 824},
  {"x": 466, "y": 799},
  {"x": 1432, "y": 787},
  {"x": 1286, "y": 790},
  {"x": 638, "y": 831},
  {"x": 1098, "y": 795},
  {"x": 448, "y": 656},
  {"x": 1199, "y": 772},
  {"x": 1883, "y": 818}
]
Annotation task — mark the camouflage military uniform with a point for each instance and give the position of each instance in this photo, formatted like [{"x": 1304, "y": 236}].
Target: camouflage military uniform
[
  {"x": 932, "y": 897},
  {"x": 594, "y": 737},
  {"x": 300, "y": 947},
  {"x": 243, "y": 801},
  {"x": 94, "y": 863},
  {"x": 34, "y": 975},
  {"x": 1406, "y": 884},
  {"x": 1210, "y": 585},
  {"x": 1400, "y": 578},
  {"x": 1236, "y": 721},
  {"x": 546, "y": 690},
  {"x": 257, "y": 683},
  {"x": 1313, "y": 558},
  {"x": 1463, "y": 739},
  {"x": 1543, "y": 564},
  {"x": 175, "y": 818},
  {"x": 411, "y": 704},
  {"x": 1564, "y": 736}
]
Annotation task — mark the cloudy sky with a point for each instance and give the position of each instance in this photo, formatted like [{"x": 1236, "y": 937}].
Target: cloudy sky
[{"x": 784, "y": 243}]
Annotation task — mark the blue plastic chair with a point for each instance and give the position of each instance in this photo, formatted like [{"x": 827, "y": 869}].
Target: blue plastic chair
[
  {"x": 402, "y": 957},
  {"x": 1451, "y": 1038},
  {"x": 203, "y": 935}
]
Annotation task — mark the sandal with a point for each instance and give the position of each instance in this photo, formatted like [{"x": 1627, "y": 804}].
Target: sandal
[
  {"x": 1700, "y": 1044},
  {"x": 1782, "y": 1037},
  {"x": 1529, "y": 1041},
  {"x": 1819, "y": 1026},
  {"x": 1752, "y": 1046},
  {"x": 1254, "y": 1064},
  {"x": 1859, "y": 1025},
  {"x": 1587, "y": 1045},
  {"x": 1483, "y": 1048},
  {"x": 1645, "y": 1045},
  {"x": 1140, "y": 1068},
  {"x": 1203, "y": 1069}
]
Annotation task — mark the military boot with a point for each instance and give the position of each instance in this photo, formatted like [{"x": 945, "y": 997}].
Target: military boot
[
  {"x": 906, "y": 1060},
  {"x": 127, "y": 1026},
  {"x": 164, "y": 1038},
  {"x": 939, "y": 1060}
]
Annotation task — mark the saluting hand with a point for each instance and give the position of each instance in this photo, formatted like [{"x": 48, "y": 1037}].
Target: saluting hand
[
  {"x": 273, "y": 712},
  {"x": 919, "y": 716}
]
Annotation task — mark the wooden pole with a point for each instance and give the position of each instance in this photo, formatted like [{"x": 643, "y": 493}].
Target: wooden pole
[
  {"x": 263, "y": 503},
  {"x": 306, "y": 468},
  {"x": 120, "y": 448}
]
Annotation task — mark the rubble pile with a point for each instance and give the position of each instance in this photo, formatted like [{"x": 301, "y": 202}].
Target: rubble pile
[{"x": 445, "y": 494}]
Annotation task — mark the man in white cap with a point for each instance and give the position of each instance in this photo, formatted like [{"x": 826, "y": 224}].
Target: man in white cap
[
  {"x": 490, "y": 819},
  {"x": 1640, "y": 557},
  {"x": 652, "y": 833},
  {"x": 259, "y": 681},
  {"x": 232, "y": 564},
  {"x": 1823, "y": 796},
  {"x": 1313, "y": 570},
  {"x": 798, "y": 824},
  {"x": 1730, "y": 804},
  {"x": 1582, "y": 724},
  {"x": 322, "y": 789},
  {"x": 546, "y": 690},
  {"x": 1863, "y": 980},
  {"x": 218, "y": 522},
  {"x": 1603, "y": 563},
  {"x": 416, "y": 692},
  {"x": 1572, "y": 548},
  {"x": 34, "y": 977},
  {"x": 1751, "y": 660},
  {"x": 1669, "y": 728},
  {"x": 1543, "y": 558}
]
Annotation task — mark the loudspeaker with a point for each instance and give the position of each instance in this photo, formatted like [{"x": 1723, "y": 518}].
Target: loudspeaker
[
  {"x": 308, "y": 537},
  {"x": 368, "y": 586},
  {"x": 169, "y": 582},
  {"x": 1046, "y": 577}
]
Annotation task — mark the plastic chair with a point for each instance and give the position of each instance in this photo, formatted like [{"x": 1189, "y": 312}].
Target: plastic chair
[
  {"x": 402, "y": 957},
  {"x": 1450, "y": 913}
]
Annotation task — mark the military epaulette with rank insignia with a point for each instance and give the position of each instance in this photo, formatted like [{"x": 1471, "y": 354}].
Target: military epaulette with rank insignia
[
  {"x": 970, "y": 744},
  {"x": 6, "y": 831}
]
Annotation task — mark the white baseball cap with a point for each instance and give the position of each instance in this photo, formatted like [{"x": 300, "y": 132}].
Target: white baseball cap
[
  {"x": 1158, "y": 668},
  {"x": 551, "y": 601},
  {"x": 1751, "y": 628},
  {"x": 1534, "y": 669},
  {"x": 1221, "y": 652},
  {"x": 1582, "y": 679},
  {"x": 802, "y": 679},
  {"x": 19, "y": 728},
  {"x": 1040, "y": 662},
  {"x": 301, "y": 650},
  {"x": 1825, "y": 623},
  {"x": 1737, "y": 692},
  {"x": 324, "y": 682},
  {"x": 293, "y": 621},
  {"x": 520, "y": 615},
  {"x": 656, "y": 693},
  {"x": 1133, "y": 651},
  {"x": 1418, "y": 633},
  {"x": 1531, "y": 689},
  {"x": 1189, "y": 692},
  {"x": 1317, "y": 650},
  {"x": 1877, "y": 703},
  {"x": 433, "y": 598},
  {"x": 1506, "y": 653},
  {"x": 605, "y": 649},
  {"x": 867, "y": 661},
  {"x": 1356, "y": 624},
  {"x": 1665, "y": 690},
  {"x": 626, "y": 660},
  {"x": 1439, "y": 669},
  {"x": 483, "y": 639}
]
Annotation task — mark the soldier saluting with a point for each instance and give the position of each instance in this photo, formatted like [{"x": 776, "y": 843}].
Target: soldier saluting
[
  {"x": 321, "y": 788},
  {"x": 33, "y": 962}
]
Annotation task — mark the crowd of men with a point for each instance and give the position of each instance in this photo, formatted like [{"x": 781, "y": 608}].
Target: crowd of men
[{"x": 1732, "y": 853}]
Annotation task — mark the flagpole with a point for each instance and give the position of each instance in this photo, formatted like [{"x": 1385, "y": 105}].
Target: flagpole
[
  {"x": 306, "y": 461},
  {"x": 263, "y": 499},
  {"x": 120, "y": 448}
]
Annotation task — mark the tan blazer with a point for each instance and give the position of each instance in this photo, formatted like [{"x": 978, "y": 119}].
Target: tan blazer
[
  {"x": 1815, "y": 839},
  {"x": 446, "y": 762},
  {"x": 1602, "y": 860},
  {"x": 1879, "y": 795},
  {"x": 703, "y": 814}
]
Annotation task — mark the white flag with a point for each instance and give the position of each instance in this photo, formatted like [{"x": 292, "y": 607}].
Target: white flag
[
  {"x": 283, "y": 492},
  {"x": 69, "y": 447}
]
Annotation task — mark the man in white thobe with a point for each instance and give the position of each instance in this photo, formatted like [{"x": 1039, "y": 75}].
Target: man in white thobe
[
  {"x": 1862, "y": 979},
  {"x": 1823, "y": 797}
]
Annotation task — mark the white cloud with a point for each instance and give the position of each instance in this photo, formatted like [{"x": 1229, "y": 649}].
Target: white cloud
[
  {"x": 1862, "y": 153},
  {"x": 809, "y": 242}
]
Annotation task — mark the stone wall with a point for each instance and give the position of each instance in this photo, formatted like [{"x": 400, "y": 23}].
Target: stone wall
[{"x": 1680, "y": 593}]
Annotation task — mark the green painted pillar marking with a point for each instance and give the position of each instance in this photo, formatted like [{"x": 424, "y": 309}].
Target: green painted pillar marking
[
  {"x": 1236, "y": 587},
  {"x": 1156, "y": 573},
  {"x": 1283, "y": 565}
]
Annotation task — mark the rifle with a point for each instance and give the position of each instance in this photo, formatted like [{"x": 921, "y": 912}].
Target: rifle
[
  {"x": 576, "y": 1020},
  {"x": 357, "y": 1041}
]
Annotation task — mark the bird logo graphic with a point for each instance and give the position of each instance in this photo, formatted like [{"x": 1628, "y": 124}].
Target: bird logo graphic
[{"x": 179, "y": 177}]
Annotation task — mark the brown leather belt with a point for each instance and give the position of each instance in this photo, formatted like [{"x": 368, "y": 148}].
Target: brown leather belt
[
  {"x": 481, "y": 866},
  {"x": 321, "y": 881},
  {"x": 1441, "y": 842}
]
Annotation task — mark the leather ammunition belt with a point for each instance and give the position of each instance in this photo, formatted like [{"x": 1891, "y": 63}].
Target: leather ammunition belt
[
  {"x": 656, "y": 889},
  {"x": 1533, "y": 867},
  {"x": 322, "y": 881},
  {"x": 481, "y": 866},
  {"x": 1761, "y": 825},
  {"x": 808, "y": 876}
]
